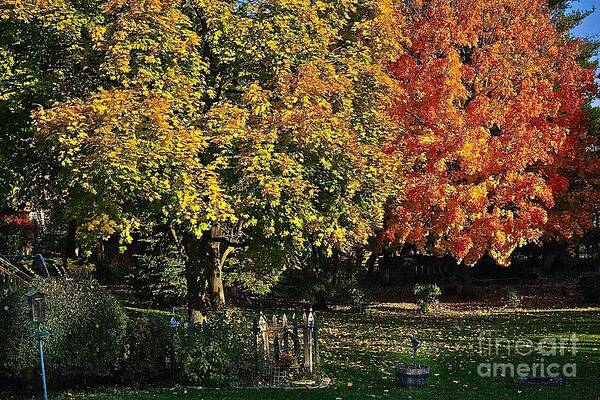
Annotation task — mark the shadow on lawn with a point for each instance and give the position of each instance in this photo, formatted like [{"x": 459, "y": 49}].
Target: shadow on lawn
[{"x": 359, "y": 352}]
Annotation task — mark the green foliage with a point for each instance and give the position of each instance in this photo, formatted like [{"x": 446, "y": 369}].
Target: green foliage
[
  {"x": 8, "y": 297},
  {"x": 266, "y": 117},
  {"x": 362, "y": 350},
  {"x": 427, "y": 296},
  {"x": 147, "y": 349},
  {"x": 325, "y": 281},
  {"x": 563, "y": 15},
  {"x": 86, "y": 325},
  {"x": 40, "y": 45},
  {"x": 74, "y": 269},
  {"x": 212, "y": 354},
  {"x": 159, "y": 270},
  {"x": 92, "y": 338}
]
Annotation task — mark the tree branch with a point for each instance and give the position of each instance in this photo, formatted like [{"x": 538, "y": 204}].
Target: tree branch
[{"x": 228, "y": 242}]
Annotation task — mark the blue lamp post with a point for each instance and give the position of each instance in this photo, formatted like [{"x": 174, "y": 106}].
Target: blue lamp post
[
  {"x": 173, "y": 324},
  {"x": 36, "y": 301}
]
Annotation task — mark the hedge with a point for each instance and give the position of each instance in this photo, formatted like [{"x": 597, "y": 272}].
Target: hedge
[
  {"x": 87, "y": 328},
  {"x": 93, "y": 339}
]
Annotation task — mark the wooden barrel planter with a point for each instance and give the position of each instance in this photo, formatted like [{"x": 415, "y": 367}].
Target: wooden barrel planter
[{"x": 412, "y": 375}]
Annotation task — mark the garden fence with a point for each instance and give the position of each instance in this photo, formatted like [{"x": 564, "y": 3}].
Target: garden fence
[{"x": 280, "y": 340}]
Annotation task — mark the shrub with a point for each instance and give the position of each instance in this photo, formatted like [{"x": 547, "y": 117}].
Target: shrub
[
  {"x": 512, "y": 299},
  {"x": 159, "y": 271},
  {"x": 74, "y": 269},
  {"x": 147, "y": 347},
  {"x": 211, "y": 354},
  {"x": 358, "y": 299},
  {"x": 589, "y": 283},
  {"x": 86, "y": 325},
  {"x": 427, "y": 296},
  {"x": 7, "y": 298}
]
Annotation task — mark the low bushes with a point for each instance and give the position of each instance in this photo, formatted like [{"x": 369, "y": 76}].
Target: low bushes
[
  {"x": 214, "y": 353},
  {"x": 87, "y": 331},
  {"x": 94, "y": 339},
  {"x": 147, "y": 347},
  {"x": 512, "y": 299}
]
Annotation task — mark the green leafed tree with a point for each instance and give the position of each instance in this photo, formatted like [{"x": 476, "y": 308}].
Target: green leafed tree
[{"x": 250, "y": 128}]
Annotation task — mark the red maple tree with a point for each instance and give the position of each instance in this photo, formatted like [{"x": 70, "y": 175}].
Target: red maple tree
[{"x": 493, "y": 127}]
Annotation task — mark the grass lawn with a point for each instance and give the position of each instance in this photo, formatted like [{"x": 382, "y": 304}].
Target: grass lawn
[{"x": 359, "y": 352}]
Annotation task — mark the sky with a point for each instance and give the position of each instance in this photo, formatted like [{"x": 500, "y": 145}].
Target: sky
[{"x": 590, "y": 27}]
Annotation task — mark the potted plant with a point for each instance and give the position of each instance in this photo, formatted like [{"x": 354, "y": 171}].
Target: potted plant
[{"x": 412, "y": 374}]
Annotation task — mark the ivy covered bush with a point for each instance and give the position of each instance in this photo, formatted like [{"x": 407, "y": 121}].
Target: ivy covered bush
[{"x": 87, "y": 329}]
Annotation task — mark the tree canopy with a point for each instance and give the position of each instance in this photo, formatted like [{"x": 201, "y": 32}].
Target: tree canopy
[
  {"x": 491, "y": 104},
  {"x": 262, "y": 119},
  {"x": 280, "y": 130}
]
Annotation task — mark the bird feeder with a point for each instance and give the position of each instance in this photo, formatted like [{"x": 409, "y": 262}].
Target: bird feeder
[{"x": 36, "y": 301}]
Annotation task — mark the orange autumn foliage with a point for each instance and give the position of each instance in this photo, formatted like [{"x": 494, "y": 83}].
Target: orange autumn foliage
[{"x": 490, "y": 109}]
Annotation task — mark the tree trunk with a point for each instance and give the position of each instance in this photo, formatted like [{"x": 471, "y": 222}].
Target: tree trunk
[
  {"x": 468, "y": 291},
  {"x": 371, "y": 264},
  {"x": 203, "y": 274},
  {"x": 102, "y": 271},
  {"x": 195, "y": 255},
  {"x": 215, "y": 285},
  {"x": 555, "y": 258},
  {"x": 216, "y": 290}
]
